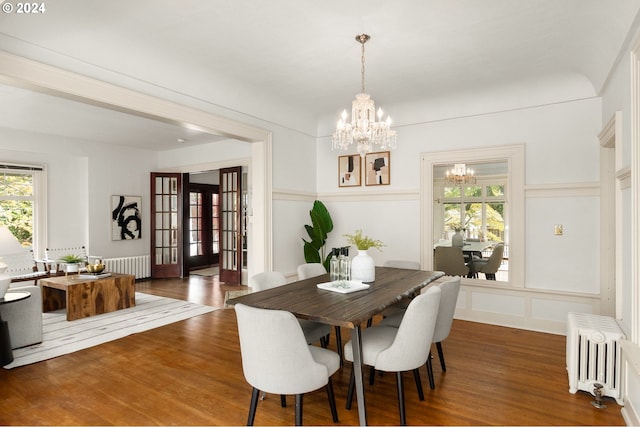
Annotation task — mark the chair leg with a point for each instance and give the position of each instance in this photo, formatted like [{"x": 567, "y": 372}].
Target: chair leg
[
  {"x": 432, "y": 383},
  {"x": 332, "y": 401},
  {"x": 252, "y": 407},
  {"x": 298, "y": 409},
  {"x": 403, "y": 416},
  {"x": 352, "y": 384},
  {"x": 441, "y": 356},
  {"x": 339, "y": 345},
  {"x": 372, "y": 375},
  {"x": 416, "y": 376},
  {"x": 283, "y": 400}
]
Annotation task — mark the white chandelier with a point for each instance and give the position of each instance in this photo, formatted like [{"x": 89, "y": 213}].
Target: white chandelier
[
  {"x": 459, "y": 175},
  {"x": 363, "y": 129}
]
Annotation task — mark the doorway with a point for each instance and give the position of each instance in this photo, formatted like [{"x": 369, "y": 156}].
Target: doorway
[{"x": 203, "y": 248}]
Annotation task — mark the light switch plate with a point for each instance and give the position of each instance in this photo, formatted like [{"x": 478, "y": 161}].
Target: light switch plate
[{"x": 558, "y": 229}]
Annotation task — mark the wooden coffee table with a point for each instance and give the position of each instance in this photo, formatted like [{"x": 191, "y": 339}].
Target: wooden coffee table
[{"x": 88, "y": 297}]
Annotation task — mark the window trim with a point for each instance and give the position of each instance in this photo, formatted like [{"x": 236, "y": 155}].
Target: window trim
[
  {"x": 39, "y": 174},
  {"x": 514, "y": 156}
]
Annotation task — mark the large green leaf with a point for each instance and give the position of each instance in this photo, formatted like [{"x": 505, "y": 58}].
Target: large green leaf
[
  {"x": 318, "y": 231},
  {"x": 323, "y": 216},
  {"x": 311, "y": 254}
]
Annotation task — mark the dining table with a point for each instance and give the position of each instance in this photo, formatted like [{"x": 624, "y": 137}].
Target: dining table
[{"x": 352, "y": 310}]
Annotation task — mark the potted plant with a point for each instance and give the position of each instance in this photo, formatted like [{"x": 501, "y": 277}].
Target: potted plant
[
  {"x": 72, "y": 262},
  {"x": 363, "y": 266},
  {"x": 318, "y": 231}
]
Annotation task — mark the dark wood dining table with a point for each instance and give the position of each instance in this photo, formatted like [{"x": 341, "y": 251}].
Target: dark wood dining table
[{"x": 349, "y": 310}]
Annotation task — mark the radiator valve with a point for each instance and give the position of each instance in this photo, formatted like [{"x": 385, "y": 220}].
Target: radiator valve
[{"x": 597, "y": 392}]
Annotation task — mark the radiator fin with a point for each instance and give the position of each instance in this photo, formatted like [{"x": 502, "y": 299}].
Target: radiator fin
[
  {"x": 593, "y": 354},
  {"x": 139, "y": 266}
]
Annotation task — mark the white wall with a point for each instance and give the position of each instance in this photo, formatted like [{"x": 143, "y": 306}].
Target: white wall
[
  {"x": 82, "y": 177},
  {"x": 561, "y": 186}
]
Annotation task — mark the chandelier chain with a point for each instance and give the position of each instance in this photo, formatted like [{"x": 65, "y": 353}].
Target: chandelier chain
[{"x": 363, "y": 41}]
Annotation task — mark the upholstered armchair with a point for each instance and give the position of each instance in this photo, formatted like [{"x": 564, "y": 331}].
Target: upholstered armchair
[{"x": 23, "y": 317}]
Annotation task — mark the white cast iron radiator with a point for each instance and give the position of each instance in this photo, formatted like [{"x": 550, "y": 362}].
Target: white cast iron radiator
[
  {"x": 139, "y": 266},
  {"x": 593, "y": 354}
]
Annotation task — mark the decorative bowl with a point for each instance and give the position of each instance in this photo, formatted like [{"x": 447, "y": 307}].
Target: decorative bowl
[{"x": 95, "y": 268}]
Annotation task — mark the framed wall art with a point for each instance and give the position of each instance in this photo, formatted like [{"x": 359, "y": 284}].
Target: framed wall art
[
  {"x": 377, "y": 168},
  {"x": 126, "y": 221},
  {"x": 349, "y": 171}
]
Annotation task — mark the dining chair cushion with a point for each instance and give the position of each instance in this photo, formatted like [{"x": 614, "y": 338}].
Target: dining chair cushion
[
  {"x": 275, "y": 355},
  {"x": 406, "y": 347}
]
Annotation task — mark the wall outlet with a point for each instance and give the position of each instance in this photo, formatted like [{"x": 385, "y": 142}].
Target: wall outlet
[{"x": 558, "y": 230}]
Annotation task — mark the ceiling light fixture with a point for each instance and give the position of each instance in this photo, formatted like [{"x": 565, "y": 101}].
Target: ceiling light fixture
[
  {"x": 363, "y": 129},
  {"x": 460, "y": 175}
]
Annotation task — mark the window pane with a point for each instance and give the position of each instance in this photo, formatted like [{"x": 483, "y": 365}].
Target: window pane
[
  {"x": 495, "y": 222},
  {"x": 495, "y": 191},
  {"x": 12, "y": 184},
  {"x": 451, "y": 192},
  {"x": 475, "y": 191},
  {"x": 473, "y": 220}
]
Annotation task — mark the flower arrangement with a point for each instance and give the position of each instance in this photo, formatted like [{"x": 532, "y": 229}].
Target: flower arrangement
[{"x": 363, "y": 242}]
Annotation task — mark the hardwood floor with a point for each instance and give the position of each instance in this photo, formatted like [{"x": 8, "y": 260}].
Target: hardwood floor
[{"x": 189, "y": 373}]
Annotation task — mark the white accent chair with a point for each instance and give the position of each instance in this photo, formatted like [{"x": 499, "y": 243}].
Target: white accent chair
[
  {"x": 54, "y": 254},
  {"x": 406, "y": 348},
  {"x": 313, "y": 331},
  {"x": 450, "y": 290},
  {"x": 24, "y": 317},
  {"x": 311, "y": 269},
  {"x": 276, "y": 358},
  {"x": 314, "y": 269}
]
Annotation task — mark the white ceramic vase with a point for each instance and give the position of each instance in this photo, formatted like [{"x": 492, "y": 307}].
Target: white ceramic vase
[
  {"x": 363, "y": 267},
  {"x": 457, "y": 239},
  {"x": 72, "y": 268}
]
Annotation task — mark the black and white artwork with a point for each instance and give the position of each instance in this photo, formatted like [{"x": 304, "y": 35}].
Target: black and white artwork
[{"x": 126, "y": 222}]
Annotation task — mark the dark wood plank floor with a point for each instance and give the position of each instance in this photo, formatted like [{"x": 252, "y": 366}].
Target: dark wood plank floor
[{"x": 189, "y": 373}]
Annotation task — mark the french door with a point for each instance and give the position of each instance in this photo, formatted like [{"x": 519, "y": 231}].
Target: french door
[
  {"x": 230, "y": 224},
  {"x": 166, "y": 229},
  {"x": 203, "y": 245}
]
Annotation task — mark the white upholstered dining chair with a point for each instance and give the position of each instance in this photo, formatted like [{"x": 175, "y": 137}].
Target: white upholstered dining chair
[
  {"x": 446, "y": 310},
  {"x": 313, "y": 331},
  {"x": 314, "y": 269},
  {"x": 276, "y": 358},
  {"x": 405, "y": 348},
  {"x": 311, "y": 269}
]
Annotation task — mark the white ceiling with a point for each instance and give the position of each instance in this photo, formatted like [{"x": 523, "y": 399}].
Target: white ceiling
[{"x": 259, "y": 57}]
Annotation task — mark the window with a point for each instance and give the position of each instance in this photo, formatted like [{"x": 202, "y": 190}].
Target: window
[
  {"x": 491, "y": 208},
  {"x": 23, "y": 203},
  {"x": 195, "y": 224},
  {"x": 478, "y": 209}
]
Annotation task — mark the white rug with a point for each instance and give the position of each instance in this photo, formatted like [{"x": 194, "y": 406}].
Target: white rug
[
  {"x": 210, "y": 271},
  {"x": 63, "y": 337}
]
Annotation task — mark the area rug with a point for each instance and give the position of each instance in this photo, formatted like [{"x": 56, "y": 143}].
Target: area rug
[
  {"x": 234, "y": 294},
  {"x": 211, "y": 271},
  {"x": 63, "y": 337}
]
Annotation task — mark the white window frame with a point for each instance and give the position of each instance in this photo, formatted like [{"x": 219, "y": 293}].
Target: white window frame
[{"x": 39, "y": 198}]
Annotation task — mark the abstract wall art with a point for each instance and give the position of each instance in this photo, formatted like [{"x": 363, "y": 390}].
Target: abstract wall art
[{"x": 126, "y": 221}]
